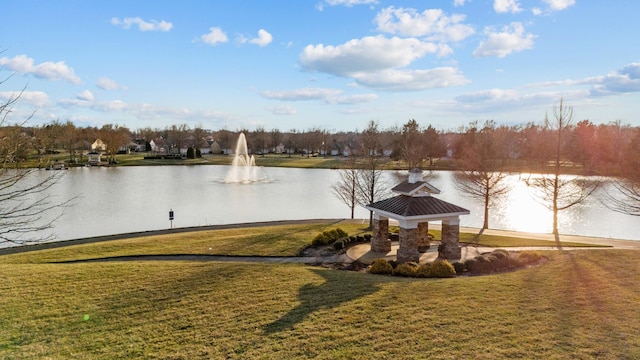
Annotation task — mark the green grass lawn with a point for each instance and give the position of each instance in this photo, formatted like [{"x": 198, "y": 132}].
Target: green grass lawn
[{"x": 577, "y": 305}]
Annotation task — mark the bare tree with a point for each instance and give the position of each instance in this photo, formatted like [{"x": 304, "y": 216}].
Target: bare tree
[
  {"x": 26, "y": 209},
  {"x": 260, "y": 140},
  {"x": 346, "y": 189},
  {"x": 371, "y": 186},
  {"x": 275, "y": 139},
  {"x": 177, "y": 136},
  {"x": 623, "y": 193},
  {"x": 555, "y": 191},
  {"x": 115, "y": 138},
  {"x": 69, "y": 137},
  {"x": 483, "y": 176},
  {"x": 412, "y": 145},
  {"x": 199, "y": 135}
]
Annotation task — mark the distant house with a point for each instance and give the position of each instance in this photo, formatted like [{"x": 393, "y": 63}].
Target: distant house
[
  {"x": 340, "y": 149},
  {"x": 215, "y": 147},
  {"x": 98, "y": 145},
  {"x": 204, "y": 146},
  {"x": 93, "y": 158},
  {"x": 139, "y": 145},
  {"x": 158, "y": 145}
]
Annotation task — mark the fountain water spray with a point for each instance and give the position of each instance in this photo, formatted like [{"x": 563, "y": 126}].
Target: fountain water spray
[{"x": 243, "y": 168}]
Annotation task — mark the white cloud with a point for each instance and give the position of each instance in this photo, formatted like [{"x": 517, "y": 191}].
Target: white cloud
[
  {"x": 376, "y": 61},
  {"x": 352, "y": 99},
  {"x": 147, "y": 111},
  {"x": 536, "y": 11},
  {"x": 109, "y": 84},
  {"x": 457, "y": 3},
  {"x": 412, "y": 80},
  {"x": 301, "y": 94},
  {"x": 365, "y": 55},
  {"x": 489, "y": 95},
  {"x": 143, "y": 25},
  {"x": 511, "y": 39},
  {"x": 214, "y": 36},
  {"x": 85, "y": 96},
  {"x": 500, "y": 100},
  {"x": 626, "y": 80},
  {"x": 264, "y": 38},
  {"x": 347, "y": 3},
  {"x": 329, "y": 96},
  {"x": 282, "y": 110},
  {"x": 559, "y": 4},
  {"x": 46, "y": 70},
  {"x": 431, "y": 23},
  {"x": 506, "y": 6},
  {"x": 31, "y": 98}
]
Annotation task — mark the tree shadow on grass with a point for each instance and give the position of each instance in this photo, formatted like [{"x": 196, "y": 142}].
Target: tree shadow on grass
[{"x": 339, "y": 287}]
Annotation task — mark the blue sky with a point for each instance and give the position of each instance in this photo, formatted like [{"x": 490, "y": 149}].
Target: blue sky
[{"x": 330, "y": 64}]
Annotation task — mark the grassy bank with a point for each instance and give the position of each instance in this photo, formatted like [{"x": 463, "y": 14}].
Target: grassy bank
[{"x": 579, "y": 304}]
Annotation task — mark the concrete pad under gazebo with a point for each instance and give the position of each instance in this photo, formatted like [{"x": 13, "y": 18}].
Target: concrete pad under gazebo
[{"x": 414, "y": 208}]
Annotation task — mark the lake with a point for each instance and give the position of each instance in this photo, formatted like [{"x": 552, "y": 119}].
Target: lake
[{"x": 113, "y": 200}]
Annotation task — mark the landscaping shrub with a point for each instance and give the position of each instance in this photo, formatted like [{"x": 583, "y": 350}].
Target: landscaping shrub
[
  {"x": 500, "y": 254},
  {"x": 480, "y": 264},
  {"x": 407, "y": 269},
  {"x": 424, "y": 270},
  {"x": 328, "y": 237},
  {"x": 321, "y": 239},
  {"x": 459, "y": 267},
  {"x": 367, "y": 237},
  {"x": 338, "y": 245},
  {"x": 353, "y": 239},
  {"x": 333, "y": 234},
  {"x": 381, "y": 266},
  {"x": 471, "y": 265},
  {"x": 442, "y": 269},
  {"x": 529, "y": 257},
  {"x": 360, "y": 238},
  {"x": 341, "y": 233},
  {"x": 498, "y": 260}
]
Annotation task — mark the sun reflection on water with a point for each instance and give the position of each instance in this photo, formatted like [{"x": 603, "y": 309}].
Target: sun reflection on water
[{"x": 519, "y": 209}]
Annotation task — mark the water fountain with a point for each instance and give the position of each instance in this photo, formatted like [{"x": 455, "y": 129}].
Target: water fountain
[{"x": 243, "y": 168}]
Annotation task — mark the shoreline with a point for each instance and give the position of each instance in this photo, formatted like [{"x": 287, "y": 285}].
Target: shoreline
[{"x": 613, "y": 243}]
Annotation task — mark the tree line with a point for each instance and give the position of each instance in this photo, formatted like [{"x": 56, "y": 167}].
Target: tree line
[{"x": 588, "y": 148}]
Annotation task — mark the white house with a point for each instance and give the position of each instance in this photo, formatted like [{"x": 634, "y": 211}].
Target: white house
[{"x": 98, "y": 145}]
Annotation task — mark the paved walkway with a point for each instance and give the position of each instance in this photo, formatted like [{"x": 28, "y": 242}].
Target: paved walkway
[{"x": 361, "y": 252}]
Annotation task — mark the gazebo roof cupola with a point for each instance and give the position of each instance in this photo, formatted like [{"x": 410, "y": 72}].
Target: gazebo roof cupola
[{"x": 415, "y": 186}]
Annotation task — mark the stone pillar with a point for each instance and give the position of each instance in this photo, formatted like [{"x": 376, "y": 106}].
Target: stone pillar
[
  {"x": 408, "y": 250},
  {"x": 422, "y": 237},
  {"x": 450, "y": 248},
  {"x": 380, "y": 240}
]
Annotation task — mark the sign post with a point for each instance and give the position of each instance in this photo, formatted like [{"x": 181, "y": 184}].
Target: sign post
[{"x": 171, "y": 217}]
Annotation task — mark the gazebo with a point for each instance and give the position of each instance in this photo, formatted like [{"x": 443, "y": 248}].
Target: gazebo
[{"x": 413, "y": 207}]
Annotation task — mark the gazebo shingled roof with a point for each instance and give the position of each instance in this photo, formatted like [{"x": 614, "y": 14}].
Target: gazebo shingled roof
[{"x": 423, "y": 207}]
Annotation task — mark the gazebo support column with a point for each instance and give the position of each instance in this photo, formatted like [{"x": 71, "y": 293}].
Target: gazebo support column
[
  {"x": 450, "y": 248},
  {"x": 408, "y": 250},
  {"x": 422, "y": 237},
  {"x": 380, "y": 241}
]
